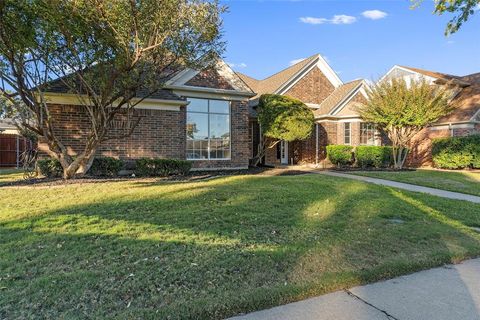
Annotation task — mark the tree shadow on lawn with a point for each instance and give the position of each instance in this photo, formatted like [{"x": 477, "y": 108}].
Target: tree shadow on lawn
[{"x": 216, "y": 248}]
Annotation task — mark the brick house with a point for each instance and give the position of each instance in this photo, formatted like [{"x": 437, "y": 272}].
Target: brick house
[
  {"x": 464, "y": 120},
  {"x": 200, "y": 116},
  {"x": 332, "y": 102},
  {"x": 209, "y": 116},
  {"x": 337, "y": 121}
]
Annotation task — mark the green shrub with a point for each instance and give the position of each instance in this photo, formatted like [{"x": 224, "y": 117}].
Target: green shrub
[
  {"x": 374, "y": 156},
  {"x": 161, "y": 167},
  {"x": 50, "y": 168},
  {"x": 340, "y": 155},
  {"x": 105, "y": 167},
  {"x": 456, "y": 152}
]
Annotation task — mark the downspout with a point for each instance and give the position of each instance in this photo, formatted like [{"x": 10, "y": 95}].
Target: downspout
[
  {"x": 316, "y": 144},
  {"x": 451, "y": 129}
]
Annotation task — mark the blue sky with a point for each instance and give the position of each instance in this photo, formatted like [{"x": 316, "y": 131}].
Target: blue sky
[{"x": 263, "y": 37}]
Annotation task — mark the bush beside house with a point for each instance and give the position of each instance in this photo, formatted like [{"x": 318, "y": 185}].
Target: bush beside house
[
  {"x": 456, "y": 152},
  {"x": 373, "y": 156},
  {"x": 106, "y": 167},
  {"x": 340, "y": 155},
  {"x": 50, "y": 168},
  {"x": 361, "y": 156},
  {"x": 162, "y": 167},
  {"x": 110, "y": 167}
]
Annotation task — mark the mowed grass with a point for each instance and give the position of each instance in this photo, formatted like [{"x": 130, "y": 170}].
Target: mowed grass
[
  {"x": 10, "y": 175},
  {"x": 213, "y": 249},
  {"x": 462, "y": 181}
]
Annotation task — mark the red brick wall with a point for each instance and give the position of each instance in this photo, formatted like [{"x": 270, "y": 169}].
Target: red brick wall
[
  {"x": 314, "y": 87},
  {"x": 160, "y": 134},
  {"x": 421, "y": 147},
  {"x": 210, "y": 78}
]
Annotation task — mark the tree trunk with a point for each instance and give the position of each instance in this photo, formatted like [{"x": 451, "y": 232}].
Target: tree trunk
[{"x": 262, "y": 150}]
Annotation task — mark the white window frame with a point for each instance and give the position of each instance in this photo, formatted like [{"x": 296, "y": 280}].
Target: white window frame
[
  {"x": 349, "y": 133},
  {"x": 374, "y": 129},
  {"x": 208, "y": 130}
]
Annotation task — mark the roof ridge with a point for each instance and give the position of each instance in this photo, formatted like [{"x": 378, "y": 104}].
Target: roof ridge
[
  {"x": 245, "y": 75},
  {"x": 432, "y": 71},
  {"x": 289, "y": 67}
]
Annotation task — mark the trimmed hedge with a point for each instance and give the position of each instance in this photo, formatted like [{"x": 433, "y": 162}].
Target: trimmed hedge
[
  {"x": 340, "y": 155},
  {"x": 374, "y": 156},
  {"x": 161, "y": 167},
  {"x": 456, "y": 152},
  {"x": 105, "y": 167},
  {"x": 50, "y": 168}
]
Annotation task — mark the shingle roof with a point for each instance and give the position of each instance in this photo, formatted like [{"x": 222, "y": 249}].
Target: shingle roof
[
  {"x": 466, "y": 103},
  {"x": 337, "y": 96},
  {"x": 58, "y": 86},
  {"x": 277, "y": 80},
  {"x": 438, "y": 75}
]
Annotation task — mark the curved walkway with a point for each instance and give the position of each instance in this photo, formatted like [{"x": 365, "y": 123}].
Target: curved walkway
[{"x": 405, "y": 186}]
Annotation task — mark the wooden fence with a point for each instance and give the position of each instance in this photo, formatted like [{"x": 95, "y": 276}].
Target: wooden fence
[{"x": 11, "y": 148}]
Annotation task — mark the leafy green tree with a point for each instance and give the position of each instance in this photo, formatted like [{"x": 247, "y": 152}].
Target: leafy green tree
[
  {"x": 462, "y": 8},
  {"x": 402, "y": 109},
  {"x": 282, "y": 118},
  {"x": 110, "y": 54}
]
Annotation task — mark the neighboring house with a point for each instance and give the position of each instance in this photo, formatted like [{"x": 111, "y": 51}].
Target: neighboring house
[
  {"x": 198, "y": 115},
  {"x": 333, "y": 103},
  {"x": 464, "y": 120}
]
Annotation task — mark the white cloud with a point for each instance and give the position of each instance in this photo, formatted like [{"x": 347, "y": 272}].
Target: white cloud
[
  {"x": 312, "y": 20},
  {"x": 240, "y": 65},
  {"x": 374, "y": 14},
  {"x": 295, "y": 61},
  {"x": 337, "y": 19},
  {"x": 343, "y": 19}
]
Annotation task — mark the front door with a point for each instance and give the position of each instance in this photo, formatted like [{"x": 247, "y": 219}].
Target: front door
[{"x": 283, "y": 152}]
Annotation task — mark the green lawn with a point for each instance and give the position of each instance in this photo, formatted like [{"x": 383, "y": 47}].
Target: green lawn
[
  {"x": 9, "y": 175},
  {"x": 212, "y": 249},
  {"x": 465, "y": 182}
]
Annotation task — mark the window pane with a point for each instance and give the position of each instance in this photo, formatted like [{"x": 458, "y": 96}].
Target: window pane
[
  {"x": 219, "y": 148},
  {"x": 218, "y": 106},
  {"x": 197, "y": 105},
  {"x": 219, "y": 126},
  {"x": 347, "y": 133},
  {"x": 197, "y": 126},
  {"x": 367, "y": 134},
  {"x": 208, "y": 129}
]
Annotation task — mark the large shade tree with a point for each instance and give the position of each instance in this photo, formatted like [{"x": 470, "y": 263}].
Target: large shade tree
[
  {"x": 281, "y": 118},
  {"x": 110, "y": 54},
  {"x": 402, "y": 109}
]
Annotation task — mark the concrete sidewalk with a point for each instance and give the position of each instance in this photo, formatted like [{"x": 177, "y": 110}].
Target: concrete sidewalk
[
  {"x": 447, "y": 293},
  {"x": 405, "y": 186}
]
